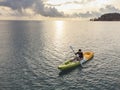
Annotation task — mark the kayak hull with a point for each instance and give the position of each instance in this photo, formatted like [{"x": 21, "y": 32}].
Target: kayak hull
[{"x": 72, "y": 64}]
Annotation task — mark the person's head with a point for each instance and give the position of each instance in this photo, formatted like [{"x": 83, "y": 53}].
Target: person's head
[{"x": 79, "y": 50}]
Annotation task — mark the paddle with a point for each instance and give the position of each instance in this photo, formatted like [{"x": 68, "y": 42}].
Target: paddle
[{"x": 72, "y": 49}]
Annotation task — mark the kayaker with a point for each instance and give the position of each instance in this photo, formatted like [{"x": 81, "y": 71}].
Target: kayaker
[{"x": 80, "y": 54}]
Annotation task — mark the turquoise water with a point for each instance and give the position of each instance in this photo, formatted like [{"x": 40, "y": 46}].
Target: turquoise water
[{"x": 30, "y": 52}]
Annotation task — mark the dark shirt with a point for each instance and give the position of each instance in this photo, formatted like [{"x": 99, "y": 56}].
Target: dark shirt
[{"x": 80, "y": 54}]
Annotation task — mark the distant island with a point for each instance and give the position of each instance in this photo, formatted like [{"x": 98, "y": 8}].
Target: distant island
[{"x": 108, "y": 17}]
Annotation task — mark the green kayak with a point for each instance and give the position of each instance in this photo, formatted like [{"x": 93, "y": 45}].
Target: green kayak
[{"x": 72, "y": 64}]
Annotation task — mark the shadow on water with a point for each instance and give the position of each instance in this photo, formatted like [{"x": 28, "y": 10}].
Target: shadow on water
[{"x": 68, "y": 71}]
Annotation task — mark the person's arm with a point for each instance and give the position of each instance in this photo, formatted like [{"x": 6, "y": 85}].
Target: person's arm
[{"x": 76, "y": 53}]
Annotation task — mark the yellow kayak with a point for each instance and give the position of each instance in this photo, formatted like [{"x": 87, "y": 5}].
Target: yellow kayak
[
  {"x": 88, "y": 55},
  {"x": 71, "y": 64}
]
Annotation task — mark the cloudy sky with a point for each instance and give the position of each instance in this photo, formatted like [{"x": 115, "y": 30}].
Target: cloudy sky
[{"x": 41, "y": 9}]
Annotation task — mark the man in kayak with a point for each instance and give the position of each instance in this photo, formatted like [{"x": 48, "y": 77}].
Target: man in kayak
[
  {"x": 80, "y": 54},
  {"x": 79, "y": 57}
]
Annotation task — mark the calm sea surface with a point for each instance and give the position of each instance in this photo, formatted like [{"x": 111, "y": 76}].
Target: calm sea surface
[{"x": 30, "y": 52}]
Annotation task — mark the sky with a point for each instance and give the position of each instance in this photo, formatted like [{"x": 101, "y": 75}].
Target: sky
[{"x": 42, "y": 9}]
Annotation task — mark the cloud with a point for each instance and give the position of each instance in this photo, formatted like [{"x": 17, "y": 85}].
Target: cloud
[
  {"x": 84, "y": 15},
  {"x": 89, "y": 14},
  {"x": 83, "y": 1},
  {"x": 47, "y": 9},
  {"x": 59, "y": 4},
  {"x": 35, "y": 5},
  {"x": 39, "y": 8},
  {"x": 70, "y": 2},
  {"x": 109, "y": 9}
]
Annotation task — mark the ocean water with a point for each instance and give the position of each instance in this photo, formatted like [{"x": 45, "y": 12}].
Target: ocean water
[{"x": 30, "y": 52}]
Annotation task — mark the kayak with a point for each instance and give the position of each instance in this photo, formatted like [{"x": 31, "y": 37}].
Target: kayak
[{"x": 69, "y": 64}]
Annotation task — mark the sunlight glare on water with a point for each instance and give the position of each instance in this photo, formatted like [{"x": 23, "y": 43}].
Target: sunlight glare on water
[{"x": 58, "y": 33}]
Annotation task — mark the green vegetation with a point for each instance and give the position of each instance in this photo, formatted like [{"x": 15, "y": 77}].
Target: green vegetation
[{"x": 108, "y": 17}]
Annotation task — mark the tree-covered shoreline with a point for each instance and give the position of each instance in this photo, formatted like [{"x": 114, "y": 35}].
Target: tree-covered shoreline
[{"x": 108, "y": 17}]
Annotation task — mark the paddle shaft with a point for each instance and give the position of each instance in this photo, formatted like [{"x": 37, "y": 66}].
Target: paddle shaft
[{"x": 72, "y": 49}]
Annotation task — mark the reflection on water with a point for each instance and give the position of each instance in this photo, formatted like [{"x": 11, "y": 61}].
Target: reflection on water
[
  {"x": 32, "y": 50},
  {"x": 59, "y": 26},
  {"x": 58, "y": 33}
]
